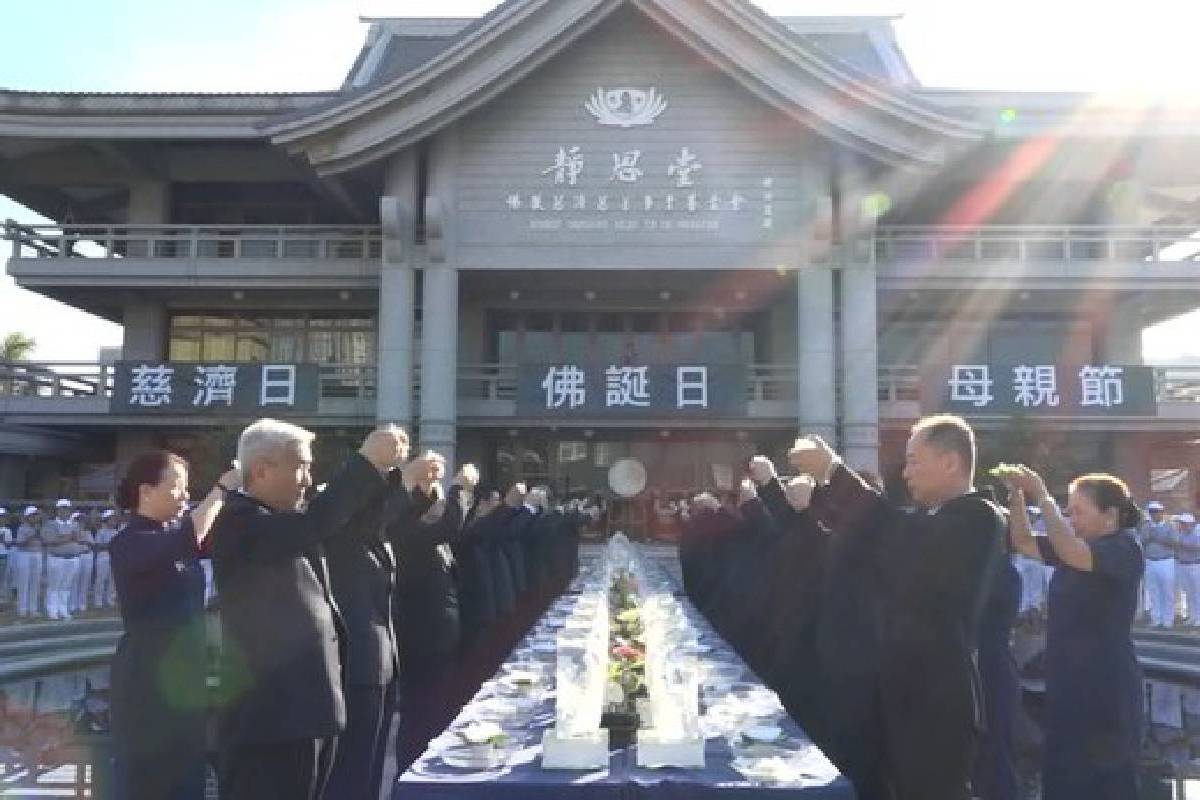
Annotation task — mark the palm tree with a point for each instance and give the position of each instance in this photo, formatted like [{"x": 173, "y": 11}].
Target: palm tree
[{"x": 16, "y": 347}]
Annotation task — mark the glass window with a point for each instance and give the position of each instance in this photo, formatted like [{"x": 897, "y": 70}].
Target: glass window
[
  {"x": 610, "y": 323},
  {"x": 320, "y": 347},
  {"x": 574, "y": 323},
  {"x": 570, "y": 452},
  {"x": 219, "y": 322},
  {"x": 576, "y": 346},
  {"x": 285, "y": 347},
  {"x": 645, "y": 322},
  {"x": 251, "y": 347},
  {"x": 681, "y": 323},
  {"x": 539, "y": 321},
  {"x": 219, "y": 347},
  {"x": 185, "y": 346}
]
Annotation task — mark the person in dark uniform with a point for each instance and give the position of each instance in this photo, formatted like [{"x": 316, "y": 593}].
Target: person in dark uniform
[
  {"x": 159, "y": 672},
  {"x": 1094, "y": 700},
  {"x": 934, "y": 566},
  {"x": 995, "y": 767},
  {"x": 427, "y": 620},
  {"x": 283, "y": 637},
  {"x": 362, "y": 577}
]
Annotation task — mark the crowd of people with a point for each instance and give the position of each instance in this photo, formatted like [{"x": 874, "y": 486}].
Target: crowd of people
[
  {"x": 389, "y": 592},
  {"x": 54, "y": 562},
  {"x": 886, "y": 628}
]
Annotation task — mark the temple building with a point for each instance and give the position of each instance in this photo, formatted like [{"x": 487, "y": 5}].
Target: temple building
[{"x": 594, "y": 243}]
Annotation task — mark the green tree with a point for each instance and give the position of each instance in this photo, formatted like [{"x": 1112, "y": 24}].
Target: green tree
[{"x": 16, "y": 347}]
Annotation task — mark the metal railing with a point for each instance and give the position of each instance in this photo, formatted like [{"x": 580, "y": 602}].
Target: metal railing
[
  {"x": 891, "y": 243},
  {"x": 983, "y": 243},
  {"x": 765, "y": 382},
  {"x": 229, "y": 242}
]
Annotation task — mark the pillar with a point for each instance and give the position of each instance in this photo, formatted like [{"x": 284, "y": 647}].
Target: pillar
[
  {"x": 397, "y": 300},
  {"x": 145, "y": 331},
  {"x": 439, "y": 360},
  {"x": 815, "y": 349},
  {"x": 1122, "y": 334},
  {"x": 859, "y": 322},
  {"x": 439, "y": 304}
]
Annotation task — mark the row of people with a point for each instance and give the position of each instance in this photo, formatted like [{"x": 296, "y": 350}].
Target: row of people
[
  {"x": 1172, "y": 548},
  {"x": 381, "y": 591},
  {"x": 885, "y": 629},
  {"x": 57, "y": 562}
]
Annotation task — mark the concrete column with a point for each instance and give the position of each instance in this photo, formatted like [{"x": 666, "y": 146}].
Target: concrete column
[
  {"x": 397, "y": 300},
  {"x": 859, "y": 323},
  {"x": 1122, "y": 334},
  {"x": 145, "y": 331},
  {"x": 860, "y": 367},
  {"x": 439, "y": 360},
  {"x": 815, "y": 348},
  {"x": 815, "y": 352}
]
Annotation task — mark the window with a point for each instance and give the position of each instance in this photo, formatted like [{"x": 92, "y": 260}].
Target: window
[{"x": 255, "y": 338}]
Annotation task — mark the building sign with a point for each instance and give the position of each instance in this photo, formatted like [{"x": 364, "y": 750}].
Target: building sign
[
  {"x": 1041, "y": 390},
  {"x": 645, "y": 390},
  {"x": 143, "y": 387}
]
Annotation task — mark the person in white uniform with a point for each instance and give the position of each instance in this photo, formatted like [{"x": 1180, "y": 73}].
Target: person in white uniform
[
  {"x": 60, "y": 536},
  {"x": 106, "y": 590},
  {"x": 1187, "y": 570},
  {"x": 6, "y": 544},
  {"x": 1159, "y": 538},
  {"x": 81, "y": 589},
  {"x": 28, "y": 560}
]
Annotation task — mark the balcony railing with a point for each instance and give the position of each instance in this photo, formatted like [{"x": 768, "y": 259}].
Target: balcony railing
[
  {"x": 231, "y": 242},
  {"x": 984, "y": 243},
  {"x": 352, "y": 386},
  {"x": 892, "y": 243}
]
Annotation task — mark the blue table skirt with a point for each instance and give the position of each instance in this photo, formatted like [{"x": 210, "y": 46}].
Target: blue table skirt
[{"x": 524, "y": 779}]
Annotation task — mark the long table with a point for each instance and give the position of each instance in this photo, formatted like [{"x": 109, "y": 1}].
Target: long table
[{"x": 522, "y": 777}]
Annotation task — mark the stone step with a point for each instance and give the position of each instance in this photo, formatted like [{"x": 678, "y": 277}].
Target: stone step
[
  {"x": 49, "y": 663},
  {"x": 58, "y": 628},
  {"x": 80, "y": 641}
]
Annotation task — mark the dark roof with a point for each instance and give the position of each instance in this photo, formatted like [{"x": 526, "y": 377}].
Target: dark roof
[{"x": 855, "y": 50}]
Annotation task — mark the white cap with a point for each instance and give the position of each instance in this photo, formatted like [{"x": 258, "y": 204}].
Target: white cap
[
  {"x": 1188, "y": 518},
  {"x": 64, "y": 504},
  {"x": 108, "y": 514},
  {"x": 1154, "y": 505},
  {"x": 30, "y": 511},
  {"x": 3, "y": 511}
]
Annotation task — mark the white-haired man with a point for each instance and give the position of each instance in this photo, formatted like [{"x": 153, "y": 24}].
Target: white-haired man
[{"x": 282, "y": 632}]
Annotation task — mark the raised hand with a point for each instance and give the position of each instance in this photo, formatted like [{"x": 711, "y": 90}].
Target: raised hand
[
  {"x": 761, "y": 470},
  {"x": 746, "y": 492},
  {"x": 467, "y": 477},
  {"x": 516, "y": 496},
  {"x": 384, "y": 447},
  {"x": 810, "y": 455},
  {"x": 799, "y": 492}
]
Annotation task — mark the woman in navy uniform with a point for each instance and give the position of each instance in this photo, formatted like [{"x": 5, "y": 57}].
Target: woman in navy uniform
[
  {"x": 159, "y": 672},
  {"x": 1093, "y": 683}
]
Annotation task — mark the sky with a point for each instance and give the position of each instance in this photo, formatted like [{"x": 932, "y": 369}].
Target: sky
[{"x": 296, "y": 45}]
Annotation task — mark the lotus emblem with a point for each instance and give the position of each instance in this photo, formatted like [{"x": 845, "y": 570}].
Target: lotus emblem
[{"x": 626, "y": 107}]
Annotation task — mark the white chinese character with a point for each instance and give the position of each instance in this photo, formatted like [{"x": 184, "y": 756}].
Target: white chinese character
[
  {"x": 513, "y": 201},
  {"x": 627, "y": 386},
  {"x": 567, "y": 166},
  {"x": 278, "y": 385},
  {"x": 682, "y": 167},
  {"x": 691, "y": 387},
  {"x": 214, "y": 385},
  {"x": 693, "y": 203},
  {"x": 151, "y": 386},
  {"x": 602, "y": 203},
  {"x": 535, "y": 203},
  {"x": 714, "y": 202},
  {"x": 625, "y": 202},
  {"x": 736, "y": 202},
  {"x": 559, "y": 203},
  {"x": 1035, "y": 386},
  {"x": 565, "y": 385},
  {"x": 625, "y": 167},
  {"x": 670, "y": 205},
  {"x": 580, "y": 202},
  {"x": 972, "y": 383},
  {"x": 1102, "y": 386}
]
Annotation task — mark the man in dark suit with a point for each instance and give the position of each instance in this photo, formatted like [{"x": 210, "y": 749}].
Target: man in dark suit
[
  {"x": 934, "y": 567},
  {"x": 282, "y": 705},
  {"x": 362, "y": 571}
]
